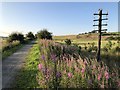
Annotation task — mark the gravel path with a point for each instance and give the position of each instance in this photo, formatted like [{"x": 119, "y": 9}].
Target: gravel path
[{"x": 12, "y": 64}]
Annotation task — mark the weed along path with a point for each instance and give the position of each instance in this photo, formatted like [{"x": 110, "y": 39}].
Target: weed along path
[{"x": 12, "y": 64}]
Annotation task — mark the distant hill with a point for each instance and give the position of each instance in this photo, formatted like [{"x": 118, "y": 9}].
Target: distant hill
[{"x": 86, "y": 36}]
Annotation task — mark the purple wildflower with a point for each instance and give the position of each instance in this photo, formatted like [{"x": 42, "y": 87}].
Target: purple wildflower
[
  {"x": 58, "y": 74},
  {"x": 44, "y": 71},
  {"x": 43, "y": 57},
  {"x": 90, "y": 81},
  {"x": 53, "y": 57}
]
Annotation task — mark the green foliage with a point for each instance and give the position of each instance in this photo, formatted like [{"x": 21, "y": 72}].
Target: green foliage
[
  {"x": 109, "y": 45},
  {"x": 60, "y": 69},
  {"x": 113, "y": 38},
  {"x": 27, "y": 75},
  {"x": 44, "y": 34},
  {"x": 111, "y": 33},
  {"x": 16, "y": 36},
  {"x": 75, "y": 72},
  {"x": 9, "y": 50},
  {"x": 68, "y": 41},
  {"x": 105, "y": 49},
  {"x": 30, "y": 36},
  {"x": 117, "y": 49}
]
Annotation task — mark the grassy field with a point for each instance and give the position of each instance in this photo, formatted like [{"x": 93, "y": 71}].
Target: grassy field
[{"x": 85, "y": 39}]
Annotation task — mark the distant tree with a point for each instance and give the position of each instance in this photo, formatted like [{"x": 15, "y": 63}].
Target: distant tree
[
  {"x": 30, "y": 36},
  {"x": 35, "y": 36},
  {"x": 12, "y": 37},
  {"x": 44, "y": 34},
  {"x": 20, "y": 37},
  {"x": 93, "y": 31},
  {"x": 68, "y": 41},
  {"x": 16, "y": 36}
]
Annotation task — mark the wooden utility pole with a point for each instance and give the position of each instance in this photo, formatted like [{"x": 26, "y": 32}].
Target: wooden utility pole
[{"x": 99, "y": 30}]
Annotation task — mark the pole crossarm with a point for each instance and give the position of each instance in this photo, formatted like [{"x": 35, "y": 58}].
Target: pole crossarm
[
  {"x": 101, "y": 14},
  {"x": 101, "y": 30},
  {"x": 101, "y": 25},
  {"x": 101, "y": 19},
  {"x": 105, "y": 14}
]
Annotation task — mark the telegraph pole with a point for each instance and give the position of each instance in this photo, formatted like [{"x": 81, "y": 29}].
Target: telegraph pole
[{"x": 99, "y": 30}]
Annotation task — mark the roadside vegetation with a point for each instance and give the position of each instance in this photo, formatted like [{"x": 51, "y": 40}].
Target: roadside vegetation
[
  {"x": 14, "y": 42},
  {"x": 52, "y": 64},
  {"x": 26, "y": 77}
]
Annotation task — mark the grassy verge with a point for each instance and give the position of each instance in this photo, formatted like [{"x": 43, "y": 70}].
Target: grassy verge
[
  {"x": 7, "y": 50},
  {"x": 26, "y": 78},
  {"x": 10, "y": 51}
]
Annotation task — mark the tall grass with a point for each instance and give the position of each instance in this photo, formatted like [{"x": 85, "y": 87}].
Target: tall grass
[
  {"x": 61, "y": 66},
  {"x": 10, "y": 48}
]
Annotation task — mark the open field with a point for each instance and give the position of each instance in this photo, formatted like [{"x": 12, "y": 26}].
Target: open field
[{"x": 85, "y": 39}]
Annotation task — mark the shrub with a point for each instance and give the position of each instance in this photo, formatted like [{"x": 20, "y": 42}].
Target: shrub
[
  {"x": 105, "y": 49},
  {"x": 44, "y": 34},
  {"x": 20, "y": 37},
  {"x": 90, "y": 49},
  {"x": 85, "y": 47},
  {"x": 68, "y": 41},
  {"x": 30, "y": 36},
  {"x": 109, "y": 45},
  {"x": 16, "y": 36},
  {"x": 80, "y": 48},
  {"x": 117, "y": 49}
]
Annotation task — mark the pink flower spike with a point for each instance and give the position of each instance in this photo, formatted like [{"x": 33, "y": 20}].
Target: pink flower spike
[
  {"x": 99, "y": 77},
  {"x": 70, "y": 75},
  {"x": 40, "y": 66},
  {"x": 83, "y": 70},
  {"x": 85, "y": 62},
  {"x": 106, "y": 75}
]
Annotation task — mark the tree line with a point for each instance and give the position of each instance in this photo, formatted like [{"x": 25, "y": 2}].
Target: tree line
[{"x": 42, "y": 34}]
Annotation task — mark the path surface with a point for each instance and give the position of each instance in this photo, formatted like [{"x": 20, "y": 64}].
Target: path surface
[{"x": 12, "y": 64}]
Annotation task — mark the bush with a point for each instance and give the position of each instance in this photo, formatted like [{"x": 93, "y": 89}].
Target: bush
[
  {"x": 90, "y": 49},
  {"x": 30, "y": 36},
  {"x": 113, "y": 38},
  {"x": 105, "y": 49},
  {"x": 68, "y": 41},
  {"x": 16, "y": 36},
  {"x": 109, "y": 45},
  {"x": 44, "y": 34},
  {"x": 117, "y": 49}
]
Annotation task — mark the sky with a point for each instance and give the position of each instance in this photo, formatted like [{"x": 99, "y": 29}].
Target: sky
[{"x": 60, "y": 18}]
